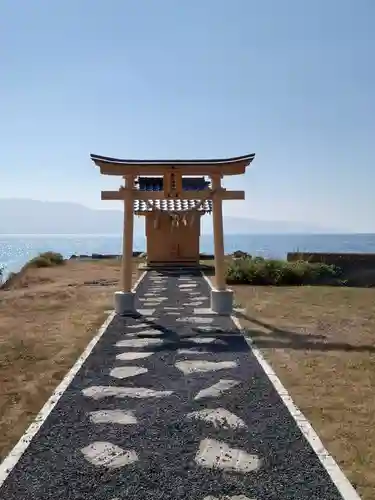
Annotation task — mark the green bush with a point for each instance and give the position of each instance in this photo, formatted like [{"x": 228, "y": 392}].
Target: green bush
[
  {"x": 260, "y": 271},
  {"x": 239, "y": 254},
  {"x": 46, "y": 259},
  {"x": 55, "y": 257}
]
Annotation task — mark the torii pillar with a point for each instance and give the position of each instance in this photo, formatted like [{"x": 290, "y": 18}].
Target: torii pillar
[
  {"x": 221, "y": 296},
  {"x": 125, "y": 299}
]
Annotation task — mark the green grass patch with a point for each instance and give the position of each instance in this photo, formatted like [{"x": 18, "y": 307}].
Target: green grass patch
[
  {"x": 260, "y": 271},
  {"x": 46, "y": 259}
]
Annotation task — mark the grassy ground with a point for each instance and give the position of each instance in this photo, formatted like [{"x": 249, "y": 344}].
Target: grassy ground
[
  {"x": 321, "y": 343},
  {"x": 47, "y": 318}
]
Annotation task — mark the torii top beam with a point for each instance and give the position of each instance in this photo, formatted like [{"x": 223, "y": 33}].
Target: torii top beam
[{"x": 224, "y": 166}]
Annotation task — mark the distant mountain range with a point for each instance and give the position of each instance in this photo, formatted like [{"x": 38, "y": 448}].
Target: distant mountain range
[{"x": 23, "y": 216}]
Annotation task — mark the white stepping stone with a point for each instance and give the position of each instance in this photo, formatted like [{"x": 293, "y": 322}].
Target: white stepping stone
[
  {"x": 129, "y": 356},
  {"x": 153, "y": 304},
  {"x": 216, "y": 390},
  {"x": 203, "y": 311},
  {"x": 139, "y": 325},
  {"x": 127, "y": 371},
  {"x": 146, "y": 312},
  {"x": 155, "y": 297},
  {"x": 106, "y": 391},
  {"x": 104, "y": 454},
  {"x": 196, "y": 303},
  {"x": 191, "y": 351},
  {"x": 123, "y": 417},
  {"x": 196, "y": 319},
  {"x": 150, "y": 331},
  {"x": 150, "y": 294},
  {"x": 167, "y": 308},
  {"x": 202, "y": 340},
  {"x": 187, "y": 285},
  {"x": 195, "y": 293},
  {"x": 219, "y": 417},
  {"x": 171, "y": 313},
  {"x": 216, "y": 454},
  {"x": 202, "y": 366},
  {"x": 225, "y": 497},
  {"x": 138, "y": 342},
  {"x": 209, "y": 329}
]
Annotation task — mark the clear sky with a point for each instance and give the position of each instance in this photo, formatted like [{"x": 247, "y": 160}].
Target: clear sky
[{"x": 292, "y": 81}]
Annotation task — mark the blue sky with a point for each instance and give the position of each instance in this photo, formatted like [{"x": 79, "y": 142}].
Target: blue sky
[{"x": 292, "y": 81}]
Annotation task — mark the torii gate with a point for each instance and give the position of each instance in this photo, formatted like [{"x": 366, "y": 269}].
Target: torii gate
[{"x": 171, "y": 189}]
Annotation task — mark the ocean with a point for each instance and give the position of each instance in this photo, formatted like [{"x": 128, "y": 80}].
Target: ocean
[{"x": 16, "y": 250}]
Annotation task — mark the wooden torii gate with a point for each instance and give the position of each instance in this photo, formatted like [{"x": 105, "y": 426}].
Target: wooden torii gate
[{"x": 172, "y": 173}]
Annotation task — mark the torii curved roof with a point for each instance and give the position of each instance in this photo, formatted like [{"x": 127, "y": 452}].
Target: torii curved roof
[{"x": 226, "y": 166}]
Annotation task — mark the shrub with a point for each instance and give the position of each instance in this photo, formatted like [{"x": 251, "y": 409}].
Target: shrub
[
  {"x": 39, "y": 261},
  {"x": 46, "y": 259},
  {"x": 55, "y": 257},
  {"x": 239, "y": 254},
  {"x": 260, "y": 271}
]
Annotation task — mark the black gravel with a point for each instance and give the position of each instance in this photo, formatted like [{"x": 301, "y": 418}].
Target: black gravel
[{"x": 53, "y": 466}]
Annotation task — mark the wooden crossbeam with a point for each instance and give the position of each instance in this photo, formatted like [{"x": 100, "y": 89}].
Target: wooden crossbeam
[{"x": 123, "y": 194}]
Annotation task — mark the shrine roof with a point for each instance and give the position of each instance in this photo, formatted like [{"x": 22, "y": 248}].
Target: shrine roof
[{"x": 226, "y": 166}]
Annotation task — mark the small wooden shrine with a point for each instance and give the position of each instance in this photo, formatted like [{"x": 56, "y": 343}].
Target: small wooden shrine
[
  {"x": 172, "y": 224},
  {"x": 173, "y": 195}
]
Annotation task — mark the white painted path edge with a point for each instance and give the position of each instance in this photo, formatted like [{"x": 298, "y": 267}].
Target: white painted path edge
[
  {"x": 16, "y": 453},
  {"x": 338, "y": 478}
]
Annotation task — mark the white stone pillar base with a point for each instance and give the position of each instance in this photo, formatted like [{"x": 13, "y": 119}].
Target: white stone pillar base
[
  {"x": 125, "y": 303},
  {"x": 222, "y": 302}
]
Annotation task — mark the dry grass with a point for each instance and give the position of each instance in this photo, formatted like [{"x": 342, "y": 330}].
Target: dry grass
[
  {"x": 47, "y": 318},
  {"x": 321, "y": 342}
]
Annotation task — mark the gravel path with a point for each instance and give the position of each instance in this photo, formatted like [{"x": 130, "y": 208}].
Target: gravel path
[{"x": 170, "y": 405}]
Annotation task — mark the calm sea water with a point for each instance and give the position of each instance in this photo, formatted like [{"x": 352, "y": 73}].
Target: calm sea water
[{"x": 15, "y": 250}]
